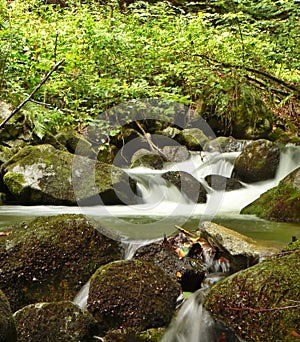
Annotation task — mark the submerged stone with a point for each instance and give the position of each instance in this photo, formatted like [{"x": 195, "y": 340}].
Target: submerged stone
[
  {"x": 132, "y": 294},
  {"x": 50, "y": 258},
  {"x": 60, "y": 321}
]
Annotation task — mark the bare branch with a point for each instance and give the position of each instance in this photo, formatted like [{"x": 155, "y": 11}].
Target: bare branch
[{"x": 33, "y": 92}]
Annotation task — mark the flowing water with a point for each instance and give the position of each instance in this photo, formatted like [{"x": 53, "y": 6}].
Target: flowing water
[{"x": 163, "y": 207}]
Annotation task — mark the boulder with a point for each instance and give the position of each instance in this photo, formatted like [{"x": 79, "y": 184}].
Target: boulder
[
  {"x": 61, "y": 321},
  {"x": 262, "y": 302},
  {"x": 50, "y": 258},
  {"x": 176, "y": 153},
  {"x": 7, "y": 323},
  {"x": 75, "y": 143},
  {"x": 130, "y": 335},
  {"x": 132, "y": 294},
  {"x": 258, "y": 161},
  {"x": 220, "y": 183},
  {"x": 188, "y": 271},
  {"x": 193, "y": 138},
  {"x": 225, "y": 144},
  {"x": 44, "y": 175},
  {"x": 146, "y": 158},
  {"x": 187, "y": 185},
  {"x": 281, "y": 203},
  {"x": 240, "y": 250}
]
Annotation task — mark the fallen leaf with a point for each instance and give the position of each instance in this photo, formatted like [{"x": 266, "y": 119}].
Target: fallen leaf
[{"x": 5, "y": 233}]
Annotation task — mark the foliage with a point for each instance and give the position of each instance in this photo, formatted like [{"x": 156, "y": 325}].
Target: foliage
[{"x": 145, "y": 52}]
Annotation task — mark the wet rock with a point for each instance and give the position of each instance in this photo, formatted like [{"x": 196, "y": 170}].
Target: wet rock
[
  {"x": 281, "y": 204},
  {"x": 146, "y": 158},
  {"x": 259, "y": 161},
  {"x": 62, "y": 321},
  {"x": 7, "y": 323},
  {"x": 132, "y": 294},
  {"x": 261, "y": 302},
  {"x": 225, "y": 144},
  {"x": 193, "y": 138},
  {"x": 50, "y": 258},
  {"x": 221, "y": 183},
  {"x": 240, "y": 250},
  {"x": 126, "y": 335},
  {"x": 175, "y": 153},
  {"x": 44, "y": 175},
  {"x": 188, "y": 271},
  {"x": 187, "y": 185}
]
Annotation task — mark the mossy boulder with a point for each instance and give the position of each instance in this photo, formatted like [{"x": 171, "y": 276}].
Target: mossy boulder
[
  {"x": 188, "y": 185},
  {"x": 130, "y": 335},
  {"x": 259, "y": 161},
  {"x": 281, "y": 203},
  {"x": 191, "y": 271},
  {"x": 50, "y": 258},
  {"x": 261, "y": 303},
  {"x": 60, "y": 321},
  {"x": 7, "y": 323},
  {"x": 132, "y": 294},
  {"x": 193, "y": 138},
  {"x": 75, "y": 143},
  {"x": 44, "y": 175},
  {"x": 146, "y": 158}
]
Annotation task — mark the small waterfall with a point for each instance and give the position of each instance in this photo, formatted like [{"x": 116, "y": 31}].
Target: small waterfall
[
  {"x": 195, "y": 324},
  {"x": 82, "y": 296}
]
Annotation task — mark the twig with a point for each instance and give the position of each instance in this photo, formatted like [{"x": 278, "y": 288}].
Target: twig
[
  {"x": 33, "y": 92},
  {"x": 48, "y": 105},
  {"x": 264, "y": 309}
]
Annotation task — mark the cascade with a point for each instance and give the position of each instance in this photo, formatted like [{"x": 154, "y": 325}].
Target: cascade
[{"x": 195, "y": 324}]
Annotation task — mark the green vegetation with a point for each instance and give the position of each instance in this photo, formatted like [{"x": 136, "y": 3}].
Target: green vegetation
[{"x": 226, "y": 59}]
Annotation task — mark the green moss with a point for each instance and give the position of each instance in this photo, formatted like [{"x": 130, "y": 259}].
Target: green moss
[
  {"x": 15, "y": 183},
  {"x": 281, "y": 203},
  {"x": 258, "y": 302},
  {"x": 50, "y": 258}
]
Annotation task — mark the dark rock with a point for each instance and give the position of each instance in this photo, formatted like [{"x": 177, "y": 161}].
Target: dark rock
[
  {"x": 220, "y": 183},
  {"x": 258, "y": 162},
  {"x": 60, "y": 321},
  {"x": 132, "y": 294},
  {"x": 44, "y": 175},
  {"x": 193, "y": 138},
  {"x": 281, "y": 204},
  {"x": 191, "y": 270},
  {"x": 50, "y": 258},
  {"x": 262, "y": 302},
  {"x": 7, "y": 323},
  {"x": 187, "y": 185}
]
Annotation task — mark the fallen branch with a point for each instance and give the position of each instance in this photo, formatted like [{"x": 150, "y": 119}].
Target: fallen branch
[
  {"x": 264, "y": 309},
  {"x": 33, "y": 92}
]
